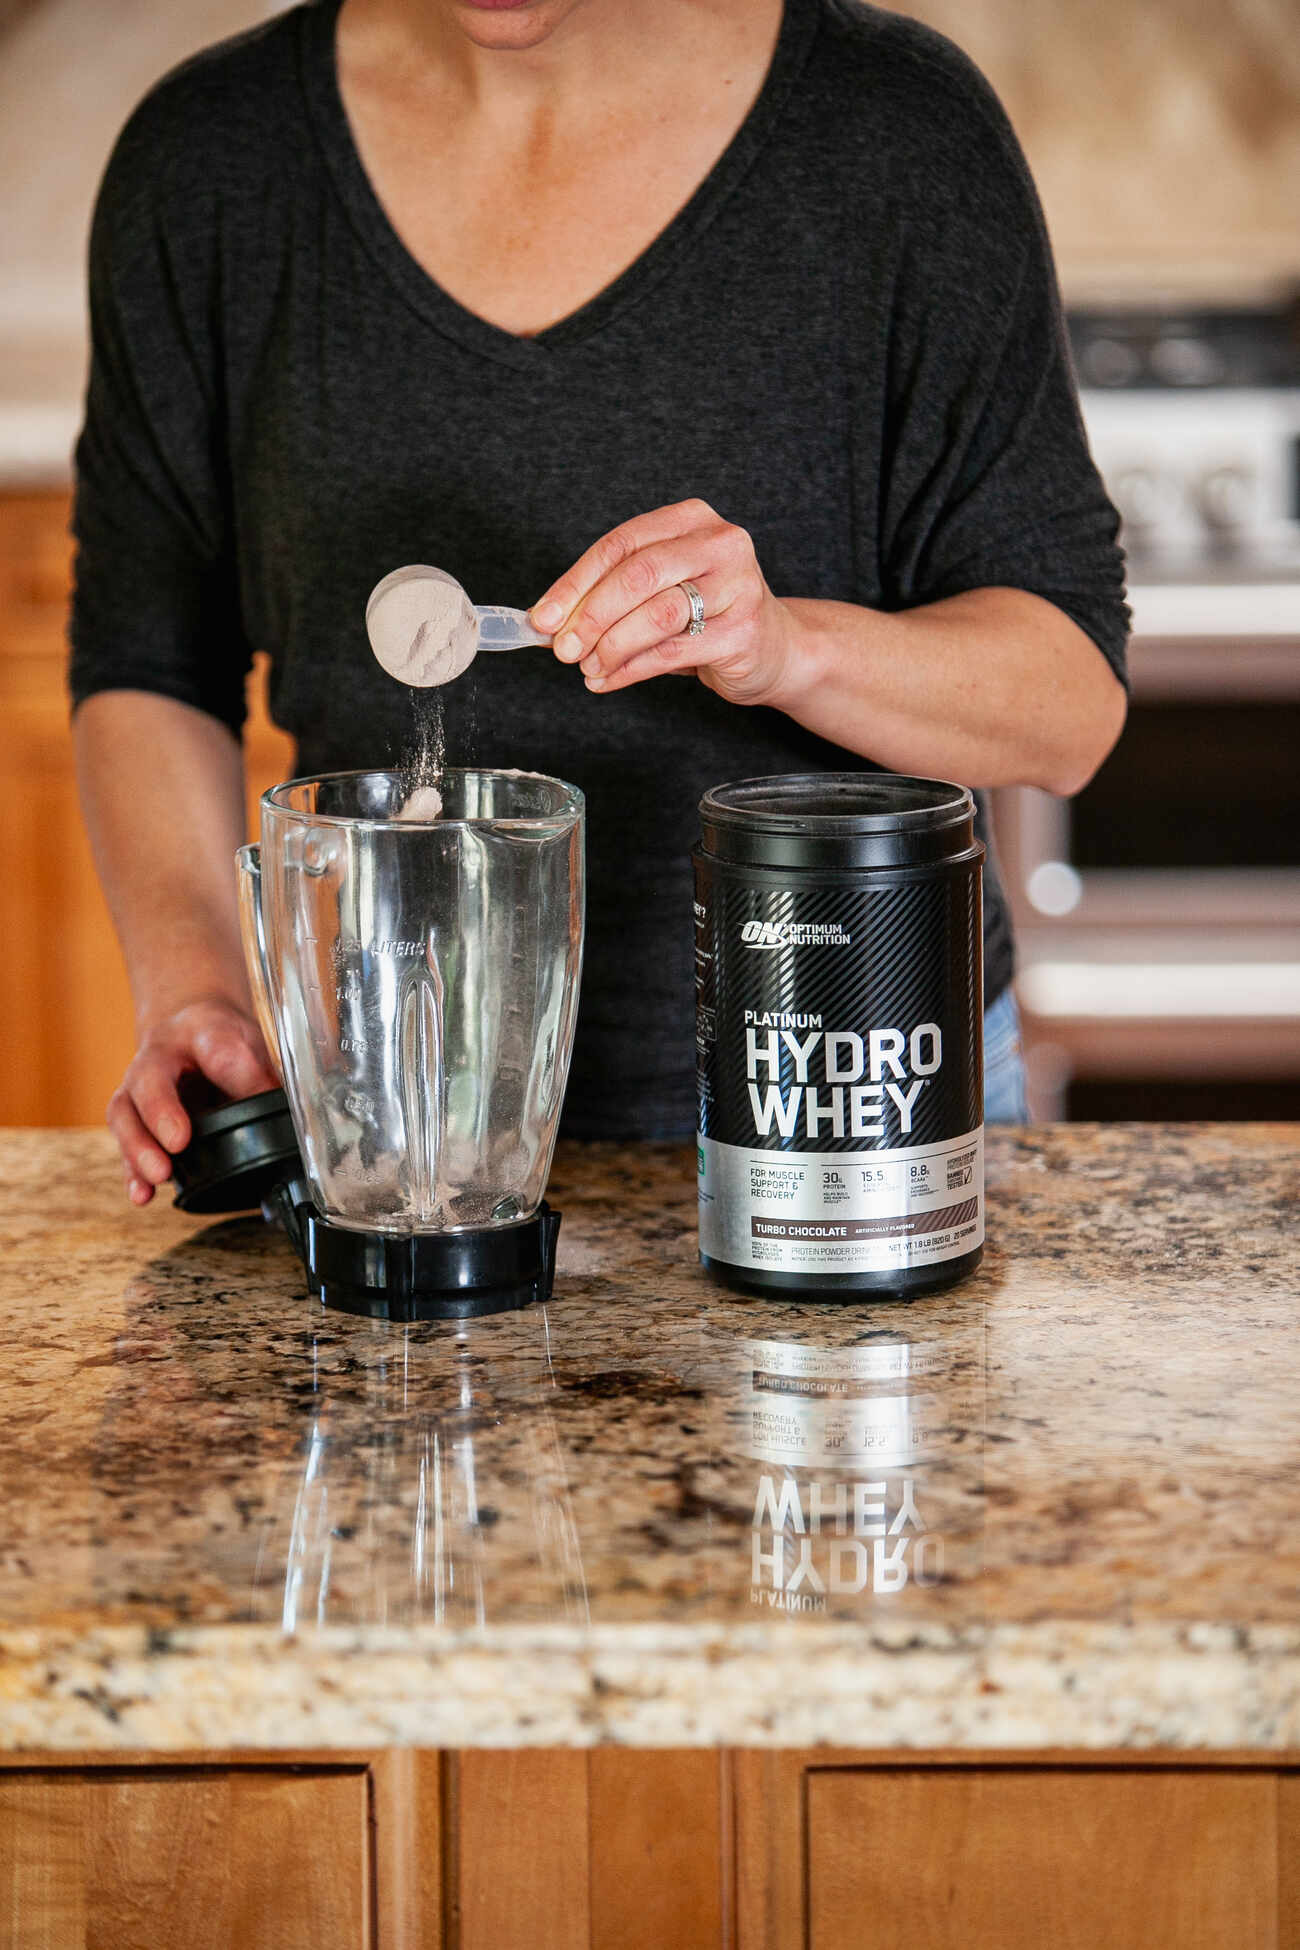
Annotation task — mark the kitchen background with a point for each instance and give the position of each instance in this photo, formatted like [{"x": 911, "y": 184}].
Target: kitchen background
[{"x": 1159, "y": 915}]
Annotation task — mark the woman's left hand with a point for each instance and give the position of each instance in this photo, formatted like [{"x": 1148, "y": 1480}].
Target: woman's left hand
[{"x": 621, "y": 613}]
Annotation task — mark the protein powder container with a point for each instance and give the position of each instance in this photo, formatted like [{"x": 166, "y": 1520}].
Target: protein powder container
[{"x": 839, "y": 1033}]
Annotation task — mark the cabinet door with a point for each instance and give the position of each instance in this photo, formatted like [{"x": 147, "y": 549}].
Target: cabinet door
[
  {"x": 614, "y": 1850},
  {"x": 1014, "y": 1859},
  {"x": 63, "y": 994},
  {"x": 204, "y": 1859}
]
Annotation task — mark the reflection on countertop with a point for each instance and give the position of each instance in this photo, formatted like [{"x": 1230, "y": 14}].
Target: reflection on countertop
[
  {"x": 384, "y": 1520},
  {"x": 870, "y": 1465},
  {"x": 1054, "y": 1506}
]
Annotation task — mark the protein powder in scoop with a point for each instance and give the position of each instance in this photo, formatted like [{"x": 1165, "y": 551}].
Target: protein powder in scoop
[
  {"x": 839, "y": 1031},
  {"x": 424, "y": 630}
]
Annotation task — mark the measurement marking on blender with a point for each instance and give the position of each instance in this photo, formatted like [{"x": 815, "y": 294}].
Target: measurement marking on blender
[{"x": 384, "y": 945}]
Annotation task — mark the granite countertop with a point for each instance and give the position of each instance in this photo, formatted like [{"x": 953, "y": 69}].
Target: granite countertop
[{"x": 652, "y": 1511}]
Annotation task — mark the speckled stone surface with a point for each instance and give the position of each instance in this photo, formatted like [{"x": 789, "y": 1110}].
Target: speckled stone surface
[{"x": 1058, "y": 1506}]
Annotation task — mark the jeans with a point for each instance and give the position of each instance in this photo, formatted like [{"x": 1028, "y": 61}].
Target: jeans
[{"x": 1004, "y": 1064}]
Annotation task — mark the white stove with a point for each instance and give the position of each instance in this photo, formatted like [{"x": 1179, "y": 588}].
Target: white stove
[
  {"x": 1194, "y": 421},
  {"x": 1158, "y": 913}
]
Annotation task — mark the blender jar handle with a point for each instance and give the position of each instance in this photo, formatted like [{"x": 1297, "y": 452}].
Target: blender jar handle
[{"x": 248, "y": 861}]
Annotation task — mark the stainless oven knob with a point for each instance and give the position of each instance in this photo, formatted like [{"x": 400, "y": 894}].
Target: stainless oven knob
[
  {"x": 1109, "y": 362},
  {"x": 1224, "y": 498},
  {"x": 1146, "y": 499},
  {"x": 1186, "y": 362}
]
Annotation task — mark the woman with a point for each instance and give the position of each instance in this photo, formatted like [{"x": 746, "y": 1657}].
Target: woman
[{"x": 595, "y": 305}]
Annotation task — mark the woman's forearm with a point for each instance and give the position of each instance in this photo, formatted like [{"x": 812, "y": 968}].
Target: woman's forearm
[
  {"x": 162, "y": 789},
  {"x": 993, "y": 687}
]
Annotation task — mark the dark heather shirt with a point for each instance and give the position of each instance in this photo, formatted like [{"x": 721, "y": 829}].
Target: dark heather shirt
[{"x": 848, "y": 341}]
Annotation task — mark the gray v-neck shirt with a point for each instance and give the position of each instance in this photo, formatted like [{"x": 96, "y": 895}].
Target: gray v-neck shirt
[{"x": 848, "y": 341}]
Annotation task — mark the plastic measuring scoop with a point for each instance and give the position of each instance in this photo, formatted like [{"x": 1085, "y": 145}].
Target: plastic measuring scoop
[{"x": 424, "y": 630}]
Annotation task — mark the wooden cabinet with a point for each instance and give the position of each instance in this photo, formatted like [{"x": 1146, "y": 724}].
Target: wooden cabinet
[
  {"x": 839, "y": 1852},
  {"x": 618, "y": 1849},
  {"x": 246, "y": 1853},
  {"x": 205, "y": 1859},
  {"x": 64, "y": 1003},
  {"x": 1021, "y": 1857}
]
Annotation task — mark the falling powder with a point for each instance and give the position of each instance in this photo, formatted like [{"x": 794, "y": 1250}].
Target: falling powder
[{"x": 421, "y": 772}]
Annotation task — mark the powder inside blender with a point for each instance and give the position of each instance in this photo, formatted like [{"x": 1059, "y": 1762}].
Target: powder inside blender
[{"x": 425, "y": 802}]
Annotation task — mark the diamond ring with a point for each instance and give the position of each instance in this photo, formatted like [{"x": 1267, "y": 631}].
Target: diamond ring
[{"x": 696, "y": 625}]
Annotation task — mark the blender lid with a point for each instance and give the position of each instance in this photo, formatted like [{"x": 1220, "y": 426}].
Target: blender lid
[{"x": 237, "y": 1154}]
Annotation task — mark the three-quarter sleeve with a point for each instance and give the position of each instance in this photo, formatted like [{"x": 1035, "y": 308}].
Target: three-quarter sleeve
[
  {"x": 987, "y": 478},
  {"x": 155, "y": 598}
]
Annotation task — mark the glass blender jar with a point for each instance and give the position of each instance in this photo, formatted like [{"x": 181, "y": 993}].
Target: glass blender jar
[{"x": 417, "y": 979}]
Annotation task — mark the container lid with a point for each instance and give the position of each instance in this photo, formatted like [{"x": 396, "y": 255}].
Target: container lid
[
  {"x": 236, "y": 1155},
  {"x": 839, "y": 819}
]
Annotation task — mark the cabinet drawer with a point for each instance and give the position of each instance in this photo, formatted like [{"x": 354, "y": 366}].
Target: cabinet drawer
[
  {"x": 202, "y": 1859},
  {"x": 1016, "y": 1858}
]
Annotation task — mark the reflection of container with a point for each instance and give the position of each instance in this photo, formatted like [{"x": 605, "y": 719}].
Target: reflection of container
[
  {"x": 812, "y": 1405},
  {"x": 839, "y": 1032},
  {"x": 370, "y": 1474},
  {"x": 398, "y": 1509},
  {"x": 871, "y": 1478}
]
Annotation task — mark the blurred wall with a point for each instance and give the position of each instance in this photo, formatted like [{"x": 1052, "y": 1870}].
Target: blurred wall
[
  {"x": 70, "y": 73},
  {"x": 1164, "y": 135}
]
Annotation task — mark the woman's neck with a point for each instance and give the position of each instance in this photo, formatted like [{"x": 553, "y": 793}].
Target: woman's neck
[
  {"x": 560, "y": 57},
  {"x": 525, "y": 179}
]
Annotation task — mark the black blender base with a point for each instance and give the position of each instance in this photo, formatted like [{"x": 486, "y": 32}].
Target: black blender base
[
  {"x": 429, "y": 1275},
  {"x": 424, "y": 1306}
]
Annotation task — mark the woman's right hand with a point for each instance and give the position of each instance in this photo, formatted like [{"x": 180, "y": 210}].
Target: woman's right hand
[{"x": 209, "y": 1038}]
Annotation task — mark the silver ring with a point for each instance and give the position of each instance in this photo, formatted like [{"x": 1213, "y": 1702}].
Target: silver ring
[{"x": 696, "y": 625}]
